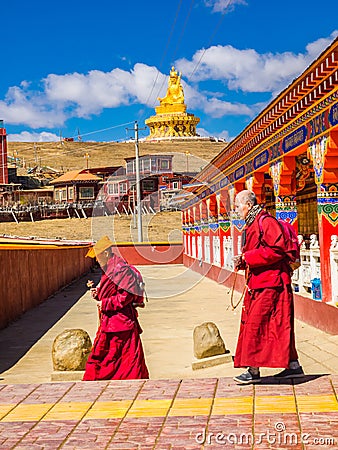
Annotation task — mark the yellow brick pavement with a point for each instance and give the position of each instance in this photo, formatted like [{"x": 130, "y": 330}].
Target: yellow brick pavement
[{"x": 143, "y": 415}]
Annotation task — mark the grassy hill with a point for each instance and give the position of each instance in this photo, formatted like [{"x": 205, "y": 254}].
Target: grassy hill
[{"x": 72, "y": 155}]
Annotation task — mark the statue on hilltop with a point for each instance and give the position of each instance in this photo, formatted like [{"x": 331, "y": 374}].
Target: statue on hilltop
[
  {"x": 171, "y": 119},
  {"x": 175, "y": 92}
]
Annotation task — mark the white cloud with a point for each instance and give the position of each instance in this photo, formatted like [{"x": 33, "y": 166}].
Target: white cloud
[
  {"x": 26, "y": 136},
  {"x": 220, "y": 135},
  {"x": 249, "y": 71},
  {"x": 82, "y": 95},
  {"x": 89, "y": 93},
  {"x": 224, "y": 6},
  {"x": 213, "y": 105},
  {"x": 22, "y": 106},
  {"x": 219, "y": 108}
]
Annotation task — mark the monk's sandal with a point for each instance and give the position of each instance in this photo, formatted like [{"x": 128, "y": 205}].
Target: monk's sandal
[{"x": 248, "y": 378}]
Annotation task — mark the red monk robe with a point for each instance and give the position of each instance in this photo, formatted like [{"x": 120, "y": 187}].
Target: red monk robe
[
  {"x": 117, "y": 352},
  {"x": 266, "y": 336}
]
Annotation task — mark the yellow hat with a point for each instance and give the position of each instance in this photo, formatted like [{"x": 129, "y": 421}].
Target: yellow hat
[{"x": 100, "y": 246}]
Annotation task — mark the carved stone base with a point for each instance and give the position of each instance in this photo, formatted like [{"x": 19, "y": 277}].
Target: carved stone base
[{"x": 172, "y": 125}]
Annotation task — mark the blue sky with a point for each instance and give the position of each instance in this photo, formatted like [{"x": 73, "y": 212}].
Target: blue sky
[{"x": 91, "y": 66}]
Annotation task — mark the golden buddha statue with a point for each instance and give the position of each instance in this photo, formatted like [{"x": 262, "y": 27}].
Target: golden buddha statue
[
  {"x": 175, "y": 92},
  {"x": 171, "y": 119}
]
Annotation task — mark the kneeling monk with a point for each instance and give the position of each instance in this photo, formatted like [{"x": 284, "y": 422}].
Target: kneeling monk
[{"x": 117, "y": 352}]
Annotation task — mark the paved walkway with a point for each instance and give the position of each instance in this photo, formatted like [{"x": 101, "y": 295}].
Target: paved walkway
[
  {"x": 178, "y": 408},
  {"x": 170, "y": 414}
]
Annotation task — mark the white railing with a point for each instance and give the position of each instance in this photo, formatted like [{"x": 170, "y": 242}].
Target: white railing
[
  {"x": 207, "y": 249},
  {"x": 310, "y": 266},
  {"x": 193, "y": 247},
  {"x": 188, "y": 244},
  {"x": 228, "y": 253},
  {"x": 302, "y": 278},
  {"x": 185, "y": 245},
  {"x": 199, "y": 248},
  {"x": 216, "y": 250}
]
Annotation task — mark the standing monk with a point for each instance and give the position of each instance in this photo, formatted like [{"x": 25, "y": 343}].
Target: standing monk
[
  {"x": 266, "y": 336},
  {"x": 117, "y": 352}
]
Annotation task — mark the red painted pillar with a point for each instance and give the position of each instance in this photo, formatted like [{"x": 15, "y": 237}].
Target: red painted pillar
[
  {"x": 224, "y": 230},
  {"x": 3, "y": 155},
  {"x": 204, "y": 225},
  {"x": 198, "y": 228},
  {"x": 213, "y": 225},
  {"x": 237, "y": 224},
  {"x": 284, "y": 186}
]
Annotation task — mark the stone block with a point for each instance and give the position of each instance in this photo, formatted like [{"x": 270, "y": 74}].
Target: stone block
[
  {"x": 211, "y": 361},
  {"x": 207, "y": 341},
  {"x": 67, "y": 375},
  {"x": 71, "y": 349}
]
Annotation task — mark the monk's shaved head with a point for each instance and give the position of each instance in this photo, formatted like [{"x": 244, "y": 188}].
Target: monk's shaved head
[{"x": 247, "y": 196}]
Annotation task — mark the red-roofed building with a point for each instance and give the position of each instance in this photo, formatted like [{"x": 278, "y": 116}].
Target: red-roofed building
[{"x": 76, "y": 186}]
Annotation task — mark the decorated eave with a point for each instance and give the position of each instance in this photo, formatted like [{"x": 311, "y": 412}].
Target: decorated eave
[{"x": 284, "y": 124}]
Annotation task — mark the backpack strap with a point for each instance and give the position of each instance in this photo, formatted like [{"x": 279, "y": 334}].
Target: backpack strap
[{"x": 260, "y": 221}]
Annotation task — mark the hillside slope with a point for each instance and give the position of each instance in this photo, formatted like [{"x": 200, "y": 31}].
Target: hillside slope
[{"x": 72, "y": 155}]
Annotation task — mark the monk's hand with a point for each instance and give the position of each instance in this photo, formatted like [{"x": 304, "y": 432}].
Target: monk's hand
[
  {"x": 237, "y": 259},
  {"x": 94, "y": 293},
  {"x": 139, "y": 305}
]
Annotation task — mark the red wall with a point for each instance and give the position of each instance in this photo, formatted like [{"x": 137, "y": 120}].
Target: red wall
[
  {"x": 31, "y": 275},
  {"x": 146, "y": 254}
]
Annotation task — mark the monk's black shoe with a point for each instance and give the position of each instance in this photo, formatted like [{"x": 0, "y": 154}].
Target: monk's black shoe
[
  {"x": 290, "y": 373},
  {"x": 248, "y": 378}
]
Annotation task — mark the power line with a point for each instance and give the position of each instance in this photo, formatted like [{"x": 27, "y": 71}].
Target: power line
[
  {"x": 211, "y": 38},
  {"x": 165, "y": 50},
  {"x": 178, "y": 43},
  {"x": 68, "y": 151},
  {"x": 183, "y": 29}
]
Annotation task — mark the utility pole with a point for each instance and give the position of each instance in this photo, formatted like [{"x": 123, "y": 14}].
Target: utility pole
[
  {"x": 87, "y": 156},
  {"x": 187, "y": 153},
  {"x": 35, "y": 154},
  {"x": 138, "y": 187}
]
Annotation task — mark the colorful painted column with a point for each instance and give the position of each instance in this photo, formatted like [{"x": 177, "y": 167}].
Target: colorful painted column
[
  {"x": 283, "y": 175},
  {"x": 224, "y": 230},
  {"x": 256, "y": 184},
  {"x": 186, "y": 231},
  {"x": 213, "y": 230},
  {"x": 237, "y": 224},
  {"x": 324, "y": 154},
  {"x": 196, "y": 230},
  {"x": 205, "y": 231}
]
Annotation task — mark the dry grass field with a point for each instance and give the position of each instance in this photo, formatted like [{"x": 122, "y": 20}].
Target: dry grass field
[
  {"x": 189, "y": 156},
  {"x": 163, "y": 226},
  {"x": 71, "y": 155}
]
